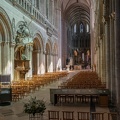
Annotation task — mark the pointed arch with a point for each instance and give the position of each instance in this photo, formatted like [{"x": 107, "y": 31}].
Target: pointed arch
[
  {"x": 37, "y": 50},
  {"x": 39, "y": 38},
  {"x": 5, "y": 26},
  {"x": 6, "y": 37},
  {"x": 48, "y": 46}
]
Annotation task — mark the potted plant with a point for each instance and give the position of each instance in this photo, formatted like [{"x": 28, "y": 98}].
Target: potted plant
[{"x": 34, "y": 107}]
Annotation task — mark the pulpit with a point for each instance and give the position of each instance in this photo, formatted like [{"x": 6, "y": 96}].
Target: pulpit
[{"x": 22, "y": 66}]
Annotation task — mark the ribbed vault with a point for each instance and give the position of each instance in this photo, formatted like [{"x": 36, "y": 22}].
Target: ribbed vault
[{"x": 76, "y": 10}]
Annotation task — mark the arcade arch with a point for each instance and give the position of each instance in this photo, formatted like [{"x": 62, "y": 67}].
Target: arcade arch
[
  {"x": 6, "y": 48},
  {"x": 37, "y": 55}
]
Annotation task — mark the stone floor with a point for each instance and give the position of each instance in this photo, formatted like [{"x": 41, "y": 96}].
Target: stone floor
[{"x": 15, "y": 110}]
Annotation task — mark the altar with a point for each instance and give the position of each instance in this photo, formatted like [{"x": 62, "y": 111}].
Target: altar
[{"x": 77, "y": 67}]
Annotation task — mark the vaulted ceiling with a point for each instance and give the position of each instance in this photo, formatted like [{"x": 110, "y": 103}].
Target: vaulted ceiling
[{"x": 76, "y": 10}]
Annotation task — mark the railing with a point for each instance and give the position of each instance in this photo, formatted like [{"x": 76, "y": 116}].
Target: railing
[
  {"x": 71, "y": 115},
  {"x": 35, "y": 13}
]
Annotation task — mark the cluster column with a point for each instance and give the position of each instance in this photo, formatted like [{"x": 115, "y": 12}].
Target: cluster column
[{"x": 117, "y": 49}]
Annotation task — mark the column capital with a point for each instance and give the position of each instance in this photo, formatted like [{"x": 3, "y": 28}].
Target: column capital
[
  {"x": 12, "y": 44},
  {"x": 105, "y": 19},
  {"x": 5, "y": 42},
  {"x": 44, "y": 51},
  {"x": 112, "y": 15},
  {"x": 30, "y": 48},
  {"x": 37, "y": 51}
]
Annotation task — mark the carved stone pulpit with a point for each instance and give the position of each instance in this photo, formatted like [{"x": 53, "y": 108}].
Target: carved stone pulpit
[
  {"x": 22, "y": 40},
  {"x": 22, "y": 66}
]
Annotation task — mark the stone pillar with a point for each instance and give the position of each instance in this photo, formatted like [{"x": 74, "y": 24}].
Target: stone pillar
[
  {"x": 0, "y": 59},
  {"x": 42, "y": 62},
  {"x": 51, "y": 62},
  {"x": 104, "y": 60},
  {"x": 32, "y": 7},
  {"x": 8, "y": 58},
  {"x": 48, "y": 10},
  {"x": 107, "y": 42},
  {"x": 101, "y": 58},
  {"x": 12, "y": 45},
  {"x": 44, "y": 8},
  {"x": 53, "y": 12},
  {"x": 48, "y": 62},
  {"x": 38, "y": 64},
  {"x": 6, "y": 54},
  {"x": 97, "y": 61},
  {"x": 112, "y": 55},
  {"x": 117, "y": 49},
  {"x": 59, "y": 43}
]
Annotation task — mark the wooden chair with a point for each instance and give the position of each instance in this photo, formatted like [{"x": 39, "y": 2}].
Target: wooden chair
[
  {"x": 112, "y": 116},
  {"x": 68, "y": 115},
  {"x": 97, "y": 116},
  {"x": 83, "y": 116},
  {"x": 53, "y": 115}
]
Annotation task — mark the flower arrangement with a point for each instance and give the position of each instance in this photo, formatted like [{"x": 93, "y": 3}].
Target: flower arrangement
[{"x": 34, "y": 106}]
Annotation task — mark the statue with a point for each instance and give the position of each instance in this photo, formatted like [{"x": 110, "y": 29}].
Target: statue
[
  {"x": 22, "y": 33},
  {"x": 23, "y": 57}
]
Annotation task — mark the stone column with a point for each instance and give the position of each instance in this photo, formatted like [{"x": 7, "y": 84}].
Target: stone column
[
  {"x": 44, "y": 8},
  {"x": 42, "y": 62},
  {"x": 60, "y": 43},
  {"x": 48, "y": 9},
  {"x": 104, "y": 60},
  {"x": 53, "y": 12},
  {"x": 112, "y": 55},
  {"x": 8, "y": 57},
  {"x": 38, "y": 63},
  {"x": 48, "y": 62},
  {"x": 12, "y": 45},
  {"x": 107, "y": 45},
  {"x": 97, "y": 65},
  {"x": 52, "y": 60},
  {"x": 0, "y": 59},
  {"x": 100, "y": 58},
  {"x": 107, "y": 42},
  {"x": 117, "y": 49},
  {"x": 32, "y": 7},
  {"x": 5, "y": 58}
]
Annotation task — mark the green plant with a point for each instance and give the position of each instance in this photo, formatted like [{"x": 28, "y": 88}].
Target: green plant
[{"x": 34, "y": 106}]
